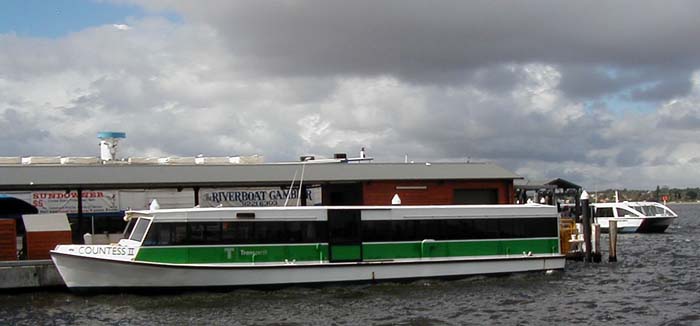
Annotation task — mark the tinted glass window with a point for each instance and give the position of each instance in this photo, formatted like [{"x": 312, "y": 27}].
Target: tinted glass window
[
  {"x": 210, "y": 233},
  {"x": 344, "y": 226},
  {"x": 454, "y": 229},
  {"x": 139, "y": 229},
  {"x": 621, "y": 212},
  {"x": 344, "y": 229},
  {"x": 604, "y": 212},
  {"x": 163, "y": 234},
  {"x": 205, "y": 233},
  {"x": 129, "y": 227}
]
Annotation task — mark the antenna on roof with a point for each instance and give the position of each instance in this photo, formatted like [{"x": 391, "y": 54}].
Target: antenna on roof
[
  {"x": 301, "y": 182},
  {"x": 108, "y": 144},
  {"x": 294, "y": 178}
]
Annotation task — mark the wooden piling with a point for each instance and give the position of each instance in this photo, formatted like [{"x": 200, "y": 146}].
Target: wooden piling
[
  {"x": 597, "y": 256},
  {"x": 613, "y": 241}
]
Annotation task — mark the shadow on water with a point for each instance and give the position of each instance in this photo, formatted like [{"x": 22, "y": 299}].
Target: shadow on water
[{"x": 655, "y": 282}]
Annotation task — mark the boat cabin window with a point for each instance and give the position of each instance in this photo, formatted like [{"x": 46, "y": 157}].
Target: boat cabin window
[
  {"x": 139, "y": 229},
  {"x": 621, "y": 212},
  {"x": 280, "y": 232},
  {"x": 211, "y": 233},
  {"x": 166, "y": 234},
  {"x": 456, "y": 229},
  {"x": 204, "y": 233},
  {"x": 603, "y": 212},
  {"x": 129, "y": 227}
]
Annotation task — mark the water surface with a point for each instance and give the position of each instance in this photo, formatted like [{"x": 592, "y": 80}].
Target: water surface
[{"x": 656, "y": 281}]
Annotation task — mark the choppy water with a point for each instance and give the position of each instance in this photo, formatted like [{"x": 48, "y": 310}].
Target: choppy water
[{"x": 655, "y": 282}]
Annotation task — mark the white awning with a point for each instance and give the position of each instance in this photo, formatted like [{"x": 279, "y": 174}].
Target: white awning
[{"x": 46, "y": 222}]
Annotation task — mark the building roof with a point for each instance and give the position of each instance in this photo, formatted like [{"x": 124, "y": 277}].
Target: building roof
[
  {"x": 545, "y": 184},
  {"x": 30, "y": 177}
]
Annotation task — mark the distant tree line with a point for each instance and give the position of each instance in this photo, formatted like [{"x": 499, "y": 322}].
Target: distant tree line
[{"x": 661, "y": 192}]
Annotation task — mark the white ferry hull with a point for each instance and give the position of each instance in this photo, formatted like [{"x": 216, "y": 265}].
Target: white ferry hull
[
  {"x": 624, "y": 225},
  {"x": 636, "y": 225},
  {"x": 81, "y": 272}
]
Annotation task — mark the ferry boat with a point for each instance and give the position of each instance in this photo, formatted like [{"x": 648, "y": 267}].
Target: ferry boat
[
  {"x": 245, "y": 246},
  {"x": 642, "y": 217}
]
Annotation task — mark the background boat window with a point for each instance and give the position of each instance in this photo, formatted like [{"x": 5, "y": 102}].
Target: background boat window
[
  {"x": 603, "y": 212},
  {"x": 621, "y": 212}
]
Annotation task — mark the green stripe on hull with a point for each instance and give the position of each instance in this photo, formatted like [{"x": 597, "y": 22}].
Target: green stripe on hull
[
  {"x": 233, "y": 254},
  {"x": 458, "y": 249},
  {"x": 319, "y": 252}
]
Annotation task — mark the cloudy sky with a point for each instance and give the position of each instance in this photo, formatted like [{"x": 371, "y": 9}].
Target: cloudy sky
[{"x": 604, "y": 94}]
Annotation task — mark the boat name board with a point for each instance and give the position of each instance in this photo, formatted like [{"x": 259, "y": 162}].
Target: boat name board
[
  {"x": 255, "y": 196},
  {"x": 104, "y": 251}
]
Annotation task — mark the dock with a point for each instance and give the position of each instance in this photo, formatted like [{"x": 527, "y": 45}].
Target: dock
[{"x": 29, "y": 274}]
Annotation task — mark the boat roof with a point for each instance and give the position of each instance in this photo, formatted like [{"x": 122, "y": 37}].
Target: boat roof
[
  {"x": 216, "y": 213},
  {"x": 630, "y": 203}
]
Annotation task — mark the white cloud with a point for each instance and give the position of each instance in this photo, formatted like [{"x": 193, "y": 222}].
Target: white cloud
[
  {"x": 122, "y": 27},
  {"x": 188, "y": 88}
]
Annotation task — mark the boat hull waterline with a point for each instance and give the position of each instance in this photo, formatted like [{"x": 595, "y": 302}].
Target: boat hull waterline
[{"x": 81, "y": 272}]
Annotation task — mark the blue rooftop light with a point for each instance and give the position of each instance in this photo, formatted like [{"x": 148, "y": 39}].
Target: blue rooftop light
[{"x": 110, "y": 134}]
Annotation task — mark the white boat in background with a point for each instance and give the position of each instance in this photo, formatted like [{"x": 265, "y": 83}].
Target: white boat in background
[{"x": 641, "y": 217}]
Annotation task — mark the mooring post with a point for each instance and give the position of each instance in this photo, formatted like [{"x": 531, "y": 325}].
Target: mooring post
[
  {"x": 613, "y": 241},
  {"x": 586, "y": 221},
  {"x": 597, "y": 256}
]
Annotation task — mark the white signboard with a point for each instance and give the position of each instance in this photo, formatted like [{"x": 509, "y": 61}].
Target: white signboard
[
  {"x": 67, "y": 202},
  {"x": 255, "y": 197}
]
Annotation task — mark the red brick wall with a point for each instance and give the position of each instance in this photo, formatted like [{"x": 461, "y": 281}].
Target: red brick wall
[
  {"x": 436, "y": 192},
  {"x": 8, "y": 240},
  {"x": 39, "y": 243}
]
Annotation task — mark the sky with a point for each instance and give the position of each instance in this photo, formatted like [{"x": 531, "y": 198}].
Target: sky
[{"x": 603, "y": 94}]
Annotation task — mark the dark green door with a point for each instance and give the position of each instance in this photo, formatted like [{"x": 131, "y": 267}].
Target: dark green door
[{"x": 344, "y": 238}]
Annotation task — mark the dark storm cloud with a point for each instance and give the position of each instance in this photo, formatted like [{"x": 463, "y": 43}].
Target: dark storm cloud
[
  {"x": 589, "y": 81},
  {"x": 646, "y": 83},
  {"x": 415, "y": 39},
  {"x": 525, "y": 84}
]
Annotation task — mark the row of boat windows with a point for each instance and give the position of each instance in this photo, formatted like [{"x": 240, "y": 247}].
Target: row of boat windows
[
  {"x": 203, "y": 233},
  {"x": 608, "y": 212}
]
